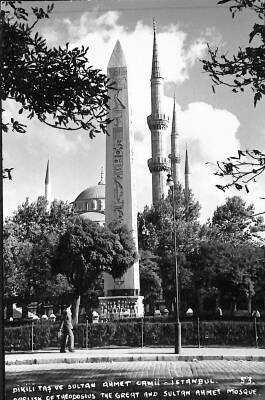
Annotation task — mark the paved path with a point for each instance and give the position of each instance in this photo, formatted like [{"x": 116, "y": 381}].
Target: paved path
[
  {"x": 51, "y": 356},
  {"x": 153, "y": 380}
]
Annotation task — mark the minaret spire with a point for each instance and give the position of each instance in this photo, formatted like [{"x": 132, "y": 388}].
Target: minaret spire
[
  {"x": 187, "y": 173},
  {"x": 155, "y": 62},
  {"x": 175, "y": 156},
  {"x": 158, "y": 123},
  {"x": 47, "y": 183},
  {"x": 101, "y": 182}
]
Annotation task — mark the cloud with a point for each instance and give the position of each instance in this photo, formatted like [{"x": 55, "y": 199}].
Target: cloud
[
  {"x": 213, "y": 37},
  {"x": 214, "y": 130},
  {"x": 176, "y": 58},
  {"x": 208, "y": 131},
  {"x": 39, "y": 136}
]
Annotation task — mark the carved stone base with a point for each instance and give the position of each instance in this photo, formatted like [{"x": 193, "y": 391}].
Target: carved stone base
[{"x": 120, "y": 307}]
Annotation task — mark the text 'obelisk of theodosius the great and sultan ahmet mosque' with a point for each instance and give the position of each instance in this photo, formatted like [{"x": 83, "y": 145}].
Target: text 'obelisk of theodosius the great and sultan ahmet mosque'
[{"x": 120, "y": 186}]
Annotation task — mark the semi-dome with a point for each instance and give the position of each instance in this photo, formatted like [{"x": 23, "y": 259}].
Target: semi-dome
[{"x": 93, "y": 216}]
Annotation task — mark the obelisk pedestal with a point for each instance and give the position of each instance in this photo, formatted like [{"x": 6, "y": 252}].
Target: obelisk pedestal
[{"x": 122, "y": 296}]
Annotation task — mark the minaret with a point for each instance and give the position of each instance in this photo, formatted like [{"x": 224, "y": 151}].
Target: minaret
[
  {"x": 158, "y": 123},
  {"x": 187, "y": 173},
  {"x": 120, "y": 190},
  {"x": 47, "y": 195},
  {"x": 101, "y": 182},
  {"x": 175, "y": 156}
]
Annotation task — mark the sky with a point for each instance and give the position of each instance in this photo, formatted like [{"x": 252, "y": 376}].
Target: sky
[{"x": 213, "y": 126}]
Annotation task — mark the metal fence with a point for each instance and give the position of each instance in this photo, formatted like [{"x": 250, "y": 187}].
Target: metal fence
[{"x": 40, "y": 334}]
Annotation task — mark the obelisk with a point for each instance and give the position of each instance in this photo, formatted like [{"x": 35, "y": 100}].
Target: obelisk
[{"x": 120, "y": 186}]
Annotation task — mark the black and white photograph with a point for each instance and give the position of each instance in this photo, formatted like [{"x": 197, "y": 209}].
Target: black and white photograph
[{"x": 133, "y": 199}]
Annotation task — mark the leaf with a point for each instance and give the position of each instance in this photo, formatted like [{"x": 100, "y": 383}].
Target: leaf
[
  {"x": 238, "y": 187},
  {"x": 241, "y": 153}
]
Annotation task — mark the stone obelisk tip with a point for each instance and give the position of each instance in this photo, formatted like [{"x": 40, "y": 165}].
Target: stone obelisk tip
[{"x": 117, "y": 58}]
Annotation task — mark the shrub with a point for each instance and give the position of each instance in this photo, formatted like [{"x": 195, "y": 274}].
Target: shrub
[{"x": 218, "y": 333}]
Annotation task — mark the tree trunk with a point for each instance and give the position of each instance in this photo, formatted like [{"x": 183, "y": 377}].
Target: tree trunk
[
  {"x": 249, "y": 304},
  {"x": 9, "y": 310},
  {"x": 152, "y": 307},
  {"x": 199, "y": 301},
  {"x": 234, "y": 305},
  {"x": 24, "y": 310},
  {"x": 75, "y": 309}
]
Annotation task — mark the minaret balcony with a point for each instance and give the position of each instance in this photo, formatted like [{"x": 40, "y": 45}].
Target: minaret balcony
[
  {"x": 157, "y": 121},
  {"x": 175, "y": 158},
  {"x": 157, "y": 164}
]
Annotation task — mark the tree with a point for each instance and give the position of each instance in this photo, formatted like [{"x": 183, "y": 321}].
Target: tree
[
  {"x": 53, "y": 218},
  {"x": 150, "y": 281},
  {"x": 155, "y": 232},
  {"x": 30, "y": 237},
  {"x": 86, "y": 250},
  {"x": 56, "y": 85},
  {"x": 246, "y": 68},
  {"x": 242, "y": 262},
  {"x": 238, "y": 273},
  {"x": 227, "y": 273},
  {"x": 228, "y": 260},
  {"x": 155, "y": 223},
  {"x": 202, "y": 264},
  {"x": 235, "y": 221}
]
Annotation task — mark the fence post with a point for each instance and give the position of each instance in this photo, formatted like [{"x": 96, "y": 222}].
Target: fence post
[
  {"x": 142, "y": 332},
  {"x": 256, "y": 332},
  {"x": 32, "y": 338},
  {"x": 198, "y": 332},
  {"x": 86, "y": 333}
]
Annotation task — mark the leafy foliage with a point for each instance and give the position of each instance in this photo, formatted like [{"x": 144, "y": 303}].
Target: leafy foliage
[
  {"x": 246, "y": 68},
  {"x": 235, "y": 221},
  {"x": 242, "y": 169},
  {"x": 56, "y": 85},
  {"x": 228, "y": 263},
  {"x": 231, "y": 271},
  {"x": 156, "y": 233},
  {"x": 155, "y": 224},
  {"x": 229, "y": 333},
  {"x": 150, "y": 281},
  {"x": 123, "y": 249},
  {"x": 30, "y": 237},
  {"x": 86, "y": 250}
]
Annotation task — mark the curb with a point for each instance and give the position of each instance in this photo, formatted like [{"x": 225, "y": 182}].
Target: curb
[{"x": 109, "y": 359}]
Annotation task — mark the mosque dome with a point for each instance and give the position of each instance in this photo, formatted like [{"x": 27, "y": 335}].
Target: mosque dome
[
  {"x": 90, "y": 203},
  {"x": 92, "y": 192}
]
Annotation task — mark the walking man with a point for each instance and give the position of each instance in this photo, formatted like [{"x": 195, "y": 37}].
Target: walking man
[{"x": 66, "y": 330}]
